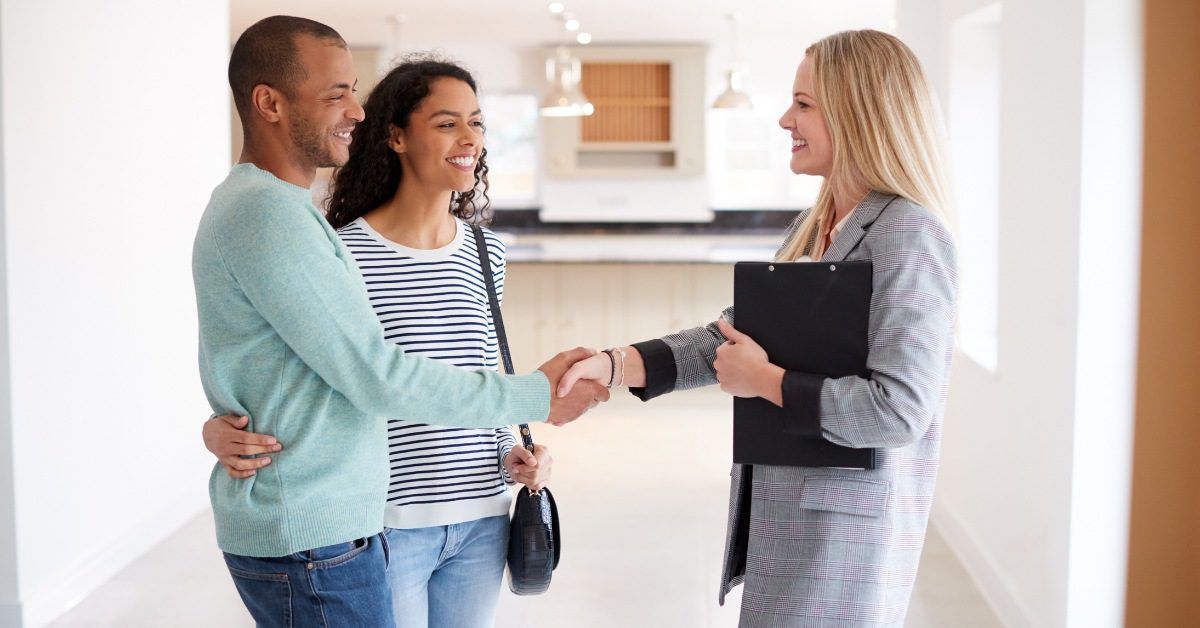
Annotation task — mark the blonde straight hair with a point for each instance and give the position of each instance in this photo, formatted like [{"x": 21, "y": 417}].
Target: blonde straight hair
[{"x": 884, "y": 125}]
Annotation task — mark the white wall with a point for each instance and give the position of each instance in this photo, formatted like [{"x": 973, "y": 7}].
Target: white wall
[
  {"x": 115, "y": 129},
  {"x": 9, "y": 593},
  {"x": 1033, "y": 492},
  {"x": 1106, "y": 346}
]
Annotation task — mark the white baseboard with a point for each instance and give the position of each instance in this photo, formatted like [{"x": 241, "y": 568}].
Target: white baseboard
[
  {"x": 78, "y": 581},
  {"x": 980, "y": 566}
]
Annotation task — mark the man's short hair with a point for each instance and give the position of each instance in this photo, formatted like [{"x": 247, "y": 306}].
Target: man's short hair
[{"x": 267, "y": 53}]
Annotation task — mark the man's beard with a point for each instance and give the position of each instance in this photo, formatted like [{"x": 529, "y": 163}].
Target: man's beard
[{"x": 311, "y": 142}]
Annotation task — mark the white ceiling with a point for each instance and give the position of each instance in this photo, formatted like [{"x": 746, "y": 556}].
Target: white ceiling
[{"x": 528, "y": 22}]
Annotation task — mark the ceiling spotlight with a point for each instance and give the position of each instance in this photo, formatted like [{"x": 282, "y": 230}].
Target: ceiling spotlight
[
  {"x": 571, "y": 25},
  {"x": 584, "y": 38},
  {"x": 556, "y": 7}
]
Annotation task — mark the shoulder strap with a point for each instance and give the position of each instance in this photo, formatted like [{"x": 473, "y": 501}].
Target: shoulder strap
[{"x": 485, "y": 264}]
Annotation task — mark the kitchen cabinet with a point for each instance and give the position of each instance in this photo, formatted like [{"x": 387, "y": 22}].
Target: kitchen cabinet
[{"x": 649, "y": 118}]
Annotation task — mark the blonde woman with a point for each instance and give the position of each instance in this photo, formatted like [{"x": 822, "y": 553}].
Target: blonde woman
[{"x": 819, "y": 546}]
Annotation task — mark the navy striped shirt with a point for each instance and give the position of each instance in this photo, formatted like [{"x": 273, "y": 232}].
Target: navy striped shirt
[{"x": 434, "y": 303}]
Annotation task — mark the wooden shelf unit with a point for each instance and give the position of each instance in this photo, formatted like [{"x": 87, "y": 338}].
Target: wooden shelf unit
[
  {"x": 648, "y": 120},
  {"x": 632, "y": 100}
]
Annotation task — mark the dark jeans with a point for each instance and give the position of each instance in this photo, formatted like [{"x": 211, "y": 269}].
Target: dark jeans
[{"x": 326, "y": 587}]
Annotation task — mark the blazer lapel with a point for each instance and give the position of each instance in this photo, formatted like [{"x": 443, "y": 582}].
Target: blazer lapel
[{"x": 856, "y": 227}]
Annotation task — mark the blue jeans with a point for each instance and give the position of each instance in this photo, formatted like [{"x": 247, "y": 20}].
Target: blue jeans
[
  {"x": 334, "y": 586},
  {"x": 448, "y": 576}
]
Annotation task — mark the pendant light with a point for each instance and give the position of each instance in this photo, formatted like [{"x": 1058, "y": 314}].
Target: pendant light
[
  {"x": 564, "y": 97},
  {"x": 733, "y": 97}
]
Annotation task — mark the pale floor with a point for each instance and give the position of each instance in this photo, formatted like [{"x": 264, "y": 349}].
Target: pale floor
[{"x": 641, "y": 490}]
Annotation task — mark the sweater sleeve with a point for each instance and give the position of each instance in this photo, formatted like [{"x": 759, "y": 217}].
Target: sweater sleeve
[{"x": 294, "y": 273}]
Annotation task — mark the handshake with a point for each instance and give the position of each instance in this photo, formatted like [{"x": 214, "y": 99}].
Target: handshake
[{"x": 579, "y": 381}]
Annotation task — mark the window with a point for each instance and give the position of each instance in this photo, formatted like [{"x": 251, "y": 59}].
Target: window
[
  {"x": 747, "y": 157},
  {"x": 511, "y": 121},
  {"x": 974, "y": 126}
]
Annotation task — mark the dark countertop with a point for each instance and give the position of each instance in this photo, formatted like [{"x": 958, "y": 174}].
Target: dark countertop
[{"x": 725, "y": 222}]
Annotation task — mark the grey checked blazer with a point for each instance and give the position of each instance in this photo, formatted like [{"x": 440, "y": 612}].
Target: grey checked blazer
[{"x": 840, "y": 547}]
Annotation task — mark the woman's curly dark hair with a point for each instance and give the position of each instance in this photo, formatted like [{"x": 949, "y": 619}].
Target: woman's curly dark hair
[{"x": 372, "y": 173}]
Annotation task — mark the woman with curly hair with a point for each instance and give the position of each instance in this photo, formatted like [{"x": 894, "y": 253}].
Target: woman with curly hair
[{"x": 403, "y": 204}]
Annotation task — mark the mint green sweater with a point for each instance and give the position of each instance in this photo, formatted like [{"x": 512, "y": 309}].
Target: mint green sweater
[{"x": 288, "y": 338}]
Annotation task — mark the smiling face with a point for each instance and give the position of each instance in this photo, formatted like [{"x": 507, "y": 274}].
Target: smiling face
[
  {"x": 324, "y": 110},
  {"x": 441, "y": 145},
  {"x": 812, "y": 150}
]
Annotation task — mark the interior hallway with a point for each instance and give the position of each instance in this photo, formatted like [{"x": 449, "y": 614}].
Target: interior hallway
[{"x": 652, "y": 478}]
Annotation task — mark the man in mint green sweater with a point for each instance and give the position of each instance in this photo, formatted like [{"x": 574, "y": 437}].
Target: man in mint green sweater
[{"x": 288, "y": 338}]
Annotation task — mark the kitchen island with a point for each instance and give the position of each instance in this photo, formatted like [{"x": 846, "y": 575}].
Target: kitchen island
[{"x": 602, "y": 284}]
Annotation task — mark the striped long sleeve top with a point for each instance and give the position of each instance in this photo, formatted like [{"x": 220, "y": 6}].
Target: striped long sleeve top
[{"x": 434, "y": 303}]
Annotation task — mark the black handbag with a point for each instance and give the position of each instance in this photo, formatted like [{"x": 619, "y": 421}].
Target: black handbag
[{"x": 534, "y": 542}]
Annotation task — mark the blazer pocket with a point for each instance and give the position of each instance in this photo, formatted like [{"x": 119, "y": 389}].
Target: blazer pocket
[{"x": 852, "y": 496}]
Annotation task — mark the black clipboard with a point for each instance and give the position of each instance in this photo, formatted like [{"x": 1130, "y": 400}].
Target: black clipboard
[{"x": 810, "y": 317}]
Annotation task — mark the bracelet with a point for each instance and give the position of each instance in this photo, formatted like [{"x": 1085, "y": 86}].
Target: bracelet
[
  {"x": 612, "y": 364},
  {"x": 621, "y": 352},
  {"x": 613, "y": 379}
]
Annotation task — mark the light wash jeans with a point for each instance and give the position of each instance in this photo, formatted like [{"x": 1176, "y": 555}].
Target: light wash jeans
[
  {"x": 324, "y": 587},
  {"x": 448, "y": 576}
]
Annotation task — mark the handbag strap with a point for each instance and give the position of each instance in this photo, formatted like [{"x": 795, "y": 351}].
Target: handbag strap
[{"x": 485, "y": 265}]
